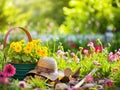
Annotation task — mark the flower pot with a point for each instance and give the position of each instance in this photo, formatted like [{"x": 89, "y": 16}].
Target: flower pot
[{"x": 22, "y": 69}]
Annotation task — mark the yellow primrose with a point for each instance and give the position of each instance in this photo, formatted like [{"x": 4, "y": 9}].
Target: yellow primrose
[
  {"x": 36, "y": 41},
  {"x": 30, "y": 44},
  {"x": 31, "y": 51},
  {"x": 44, "y": 48},
  {"x": 38, "y": 51},
  {"x": 12, "y": 45},
  {"x": 43, "y": 53},
  {"x": 18, "y": 48},
  {"x": 27, "y": 49},
  {"x": 22, "y": 41}
]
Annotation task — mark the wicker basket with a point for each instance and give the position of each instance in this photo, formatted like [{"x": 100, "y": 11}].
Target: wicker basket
[{"x": 21, "y": 69}]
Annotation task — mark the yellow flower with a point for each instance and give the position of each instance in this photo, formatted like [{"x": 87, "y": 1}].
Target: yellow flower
[
  {"x": 12, "y": 45},
  {"x": 22, "y": 41},
  {"x": 36, "y": 41},
  {"x": 18, "y": 48},
  {"x": 43, "y": 53},
  {"x": 38, "y": 51},
  {"x": 45, "y": 48},
  {"x": 29, "y": 44},
  {"x": 27, "y": 49}
]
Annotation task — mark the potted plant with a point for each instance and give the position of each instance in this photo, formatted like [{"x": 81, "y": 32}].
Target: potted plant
[{"x": 24, "y": 55}]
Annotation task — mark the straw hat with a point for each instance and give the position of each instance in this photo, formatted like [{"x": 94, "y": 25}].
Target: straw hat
[
  {"x": 47, "y": 67},
  {"x": 47, "y": 63}
]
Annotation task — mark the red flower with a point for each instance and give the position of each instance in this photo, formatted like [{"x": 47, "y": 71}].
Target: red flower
[
  {"x": 9, "y": 70},
  {"x": 72, "y": 45},
  {"x": 108, "y": 83},
  {"x": 98, "y": 49}
]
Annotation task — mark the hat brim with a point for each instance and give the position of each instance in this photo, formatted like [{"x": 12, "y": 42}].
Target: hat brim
[{"x": 51, "y": 76}]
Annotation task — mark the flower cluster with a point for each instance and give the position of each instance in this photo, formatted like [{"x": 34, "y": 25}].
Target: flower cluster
[
  {"x": 26, "y": 52},
  {"x": 8, "y": 71},
  {"x": 114, "y": 57},
  {"x": 93, "y": 49}
]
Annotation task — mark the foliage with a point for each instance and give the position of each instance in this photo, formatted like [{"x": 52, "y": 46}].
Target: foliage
[
  {"x": 95, "y": 58},
  {"x": 36, "y": 82},
  {"x": 1, "y": 59},
  {"x": 115, "y": 76},
  {"x": 32, "y": 14},
  {"x": 90, "y": 16},
  {"x": 21, "y": 52},
  {"x": 12, "y": 15}
]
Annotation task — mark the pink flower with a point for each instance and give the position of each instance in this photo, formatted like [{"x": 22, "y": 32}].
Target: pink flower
[
  {"x": 7, "y": 81},
  {"x": 89, "y": 78},
  {"x": 85, "y": 51},
  {"x": 72, "y": 54},
  {"x": 37, "y": 89},
  {"x": 108, "y": 83},
  {"x": 60, "y": 52},
  {"x": 76, "y": 59},
  {"x": 98, "y": 49},
  {"x": 22, "y": 84},
  {"x": 97, "y": 63},
  {"x": 74, "y": 88},
  {"x": 2, "y": 77},
  {"x": 9, "y": 70},
  {"x": 112, "y": 57},
  {"x": 91, "y": 44}
]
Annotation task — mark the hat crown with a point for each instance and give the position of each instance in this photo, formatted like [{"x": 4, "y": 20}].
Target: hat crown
[{"x": 48, "y": 62}]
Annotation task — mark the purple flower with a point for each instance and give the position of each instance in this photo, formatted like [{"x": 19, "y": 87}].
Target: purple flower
[
  {"x": 22, "y": 84},
  {"x": 2, "y": 77},
  {"x": 9, "y": 70},
  {"x": 89, "y": 78}
]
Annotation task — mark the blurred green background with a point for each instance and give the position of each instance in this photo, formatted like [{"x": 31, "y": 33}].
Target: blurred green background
[{"x": 63, "y": 17}]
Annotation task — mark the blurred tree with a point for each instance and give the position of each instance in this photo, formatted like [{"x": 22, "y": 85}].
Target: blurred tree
[
  {"x": 46, "y": 15},
  {"x": 91, "y": 16},
  {"x": 11, "y": 15}
]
